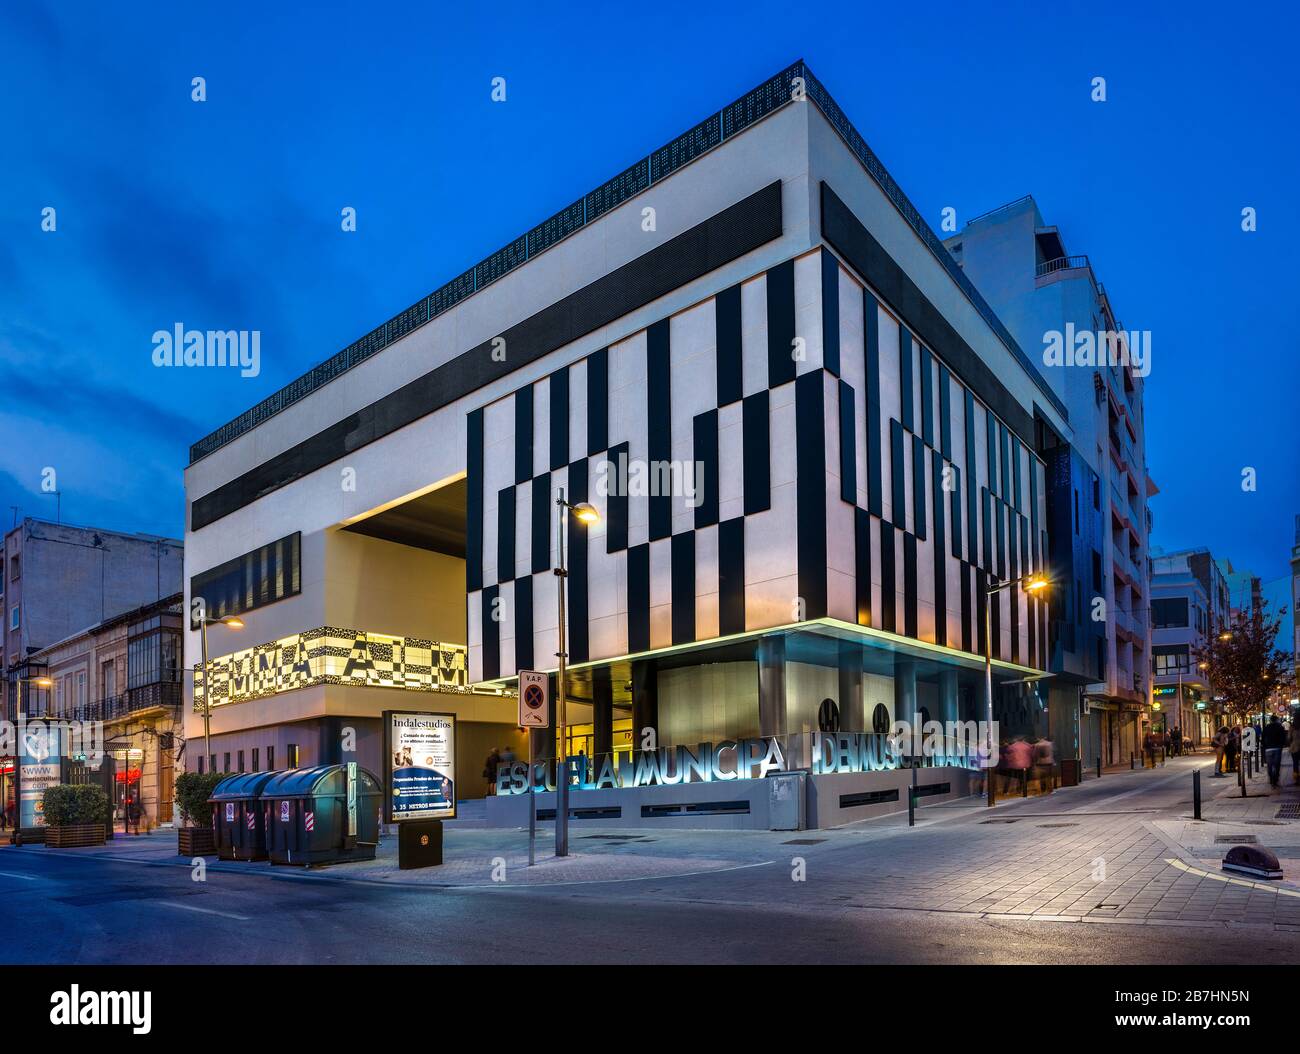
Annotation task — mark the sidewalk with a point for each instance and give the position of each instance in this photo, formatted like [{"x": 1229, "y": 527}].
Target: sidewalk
[
  {"x": 1264, "y": 817},
  {"x": 475, "y": 856}
]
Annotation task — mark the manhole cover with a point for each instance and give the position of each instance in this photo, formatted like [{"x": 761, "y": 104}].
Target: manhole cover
[
  {"x": 1235, "y": 839},
  {"x": 804, "y": 841},
  {"x": 1058, "y": 825},
  {"x": 1016, "y": 820},
  {"x": 1289, "y": 810}
]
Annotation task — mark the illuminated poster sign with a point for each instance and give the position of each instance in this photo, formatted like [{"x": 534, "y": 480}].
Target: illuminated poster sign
[
  {"x": 421, "y": 761},
  {"x": 34, "y": 780}
]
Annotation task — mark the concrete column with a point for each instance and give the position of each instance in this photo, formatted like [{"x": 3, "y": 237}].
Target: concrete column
[
  {"x": 906, "y": 706},
  {"x": 853, "y": 716},
  {"x": 771, "y": 686},
  {"x": 949, "y": 706},
  {"x": 602, "y": 711},
  {"x": 645, "y": 699}
]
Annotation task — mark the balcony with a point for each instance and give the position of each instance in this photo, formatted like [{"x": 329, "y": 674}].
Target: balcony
[
  {"x": 1062, "y": 263},
  {"x": 161, "y": 695}
]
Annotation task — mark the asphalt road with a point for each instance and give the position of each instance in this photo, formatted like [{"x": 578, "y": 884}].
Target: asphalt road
[{"x": 61, "y": 908}]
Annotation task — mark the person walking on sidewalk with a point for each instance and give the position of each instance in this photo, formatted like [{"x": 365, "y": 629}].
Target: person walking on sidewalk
[
  {"x": 1274, "y": 739},
  {"x": 1234, "y": 747},
  {"x": 1293, "y": 745},
  {"x": 1220, "y": 744}
]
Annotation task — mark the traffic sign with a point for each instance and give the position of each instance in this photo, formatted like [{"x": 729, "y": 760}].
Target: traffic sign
[{"x": 534, "y": 699}]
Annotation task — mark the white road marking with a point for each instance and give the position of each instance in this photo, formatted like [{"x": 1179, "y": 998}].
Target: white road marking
[{"x": 205, "y": 911}]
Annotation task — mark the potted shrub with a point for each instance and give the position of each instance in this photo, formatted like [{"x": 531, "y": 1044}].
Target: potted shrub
[
  {"x": 75, "y": 816},
  {"x": 193, "y": 789}
]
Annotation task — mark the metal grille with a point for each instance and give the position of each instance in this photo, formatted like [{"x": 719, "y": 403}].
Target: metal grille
[{"x": 1289, "y": 810}]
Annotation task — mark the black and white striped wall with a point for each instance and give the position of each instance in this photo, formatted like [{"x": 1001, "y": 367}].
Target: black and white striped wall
[{"x": 847, "y": 473}]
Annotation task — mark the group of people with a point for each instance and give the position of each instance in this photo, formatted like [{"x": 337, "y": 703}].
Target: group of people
[
  {"x": 1170, "y": 742},
  {"x": 1274, "y": 737},
  {"x": 495, "y": 759}
]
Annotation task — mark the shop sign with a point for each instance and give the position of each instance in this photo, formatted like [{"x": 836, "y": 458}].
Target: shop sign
[{"x": 663, "y": 766}]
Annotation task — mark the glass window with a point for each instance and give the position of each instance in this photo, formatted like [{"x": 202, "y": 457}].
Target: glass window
[
  {"x": 270, "y": 757},
  {"x": 253, "y": 580},
  {"x": 13, "y": 617},
  {"x": 1169, "y": 612}
]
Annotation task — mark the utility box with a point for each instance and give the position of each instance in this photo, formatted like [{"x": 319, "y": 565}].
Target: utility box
[
  {"x": 786, "y": 798},
  {"x": 238, "y": 816},
  {"x": 308, "y": 810},
  {"x": 419, "y": 844}
]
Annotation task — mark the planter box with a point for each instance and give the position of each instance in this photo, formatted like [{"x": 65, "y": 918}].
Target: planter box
[
  {"x": 196, "y": 841},
  {"x": 74, "y": 837}
]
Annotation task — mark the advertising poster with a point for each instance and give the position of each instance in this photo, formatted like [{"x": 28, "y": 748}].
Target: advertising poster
[
  {"x": 421, "y": 761},
  {"x": 34, "y": 781}
]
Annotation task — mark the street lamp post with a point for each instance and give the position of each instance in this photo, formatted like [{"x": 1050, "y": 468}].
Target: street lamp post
[
  {"x": 1032, "y": 583},
  {"x": 584, "y": 513},
  {"x": 234, "y": 623}
]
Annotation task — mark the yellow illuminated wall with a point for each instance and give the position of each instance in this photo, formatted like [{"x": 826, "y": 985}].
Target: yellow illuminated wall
[{"x": 330, "y": 655}]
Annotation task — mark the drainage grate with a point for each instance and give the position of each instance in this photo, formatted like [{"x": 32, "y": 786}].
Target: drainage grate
[
  {"x": 1103, "y": 907},
  {"x": 1289, "y": 810},
  {"x": 1016, "y": 820},
  {"x": 1235, "y": 839},
  {"x": 804, "y": 841},
  {"x": 1058, "y": 825}
]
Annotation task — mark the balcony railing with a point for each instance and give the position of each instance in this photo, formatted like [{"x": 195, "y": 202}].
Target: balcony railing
[
  {"x": 160, "y": 694},
  {"x": 1061, "y": 263}
]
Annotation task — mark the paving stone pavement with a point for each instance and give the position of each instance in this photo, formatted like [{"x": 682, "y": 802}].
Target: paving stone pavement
[{"x": 1119, "y": 850}]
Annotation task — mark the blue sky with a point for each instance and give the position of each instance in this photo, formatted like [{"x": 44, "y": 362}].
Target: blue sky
[{"x": 225, "y": 214}]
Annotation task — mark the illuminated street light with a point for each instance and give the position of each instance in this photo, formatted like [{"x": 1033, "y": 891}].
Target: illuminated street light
[
  {"x": 585, "y": 514},
  {"x": 1031, "y": 583},
  {"x": 230, "y": 622}
]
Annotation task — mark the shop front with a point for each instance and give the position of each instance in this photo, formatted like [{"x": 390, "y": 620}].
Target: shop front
[{"x": 689, "y": 735}]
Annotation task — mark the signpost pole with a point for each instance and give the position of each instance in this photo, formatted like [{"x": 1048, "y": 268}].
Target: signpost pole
[
  {"x": 534, "y": 713},
  {"x": 532, "y": 804}
]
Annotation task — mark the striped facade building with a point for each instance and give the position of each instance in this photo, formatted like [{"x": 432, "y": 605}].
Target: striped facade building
[{"x": 812, "y": 447}]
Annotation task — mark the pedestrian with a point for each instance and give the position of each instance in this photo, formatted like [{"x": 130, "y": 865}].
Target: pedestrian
[
  {"x": 1234, "y": 747},
  {"x": 1220, "y": 744},
  {"x": 1176, "y": 738},
  {"x": 1293, "y": 745},
  {"x": 490, "y": 769},
  {"x": 508, "y": 755},
  {"x": 1274, "y": 739},
  {"x": 1149, "y": 747},
  {"x": 1044, "y": 760}
]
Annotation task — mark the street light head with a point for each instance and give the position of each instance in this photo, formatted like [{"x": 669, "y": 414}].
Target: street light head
[
  {"x": 1036, "y": 582},
  {"x": 44, "y": 682},
  {"x": 1225, "y": 635},
  {"x": 585, "y": 513},
  {"x": 233, "y": 621}
]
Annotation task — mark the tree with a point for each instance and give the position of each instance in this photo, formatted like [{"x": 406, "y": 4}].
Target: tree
[{"x": 1242, "y": 664}]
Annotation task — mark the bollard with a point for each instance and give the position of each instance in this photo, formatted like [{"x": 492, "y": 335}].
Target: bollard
[
  {"x": 1024, "y": 783},
  {"x": 911, "y": 806},
  {"x": 1196, "y": 794},
  {"x": 1099, "y": 766},
  {"x": 1131, "y": 761}
]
